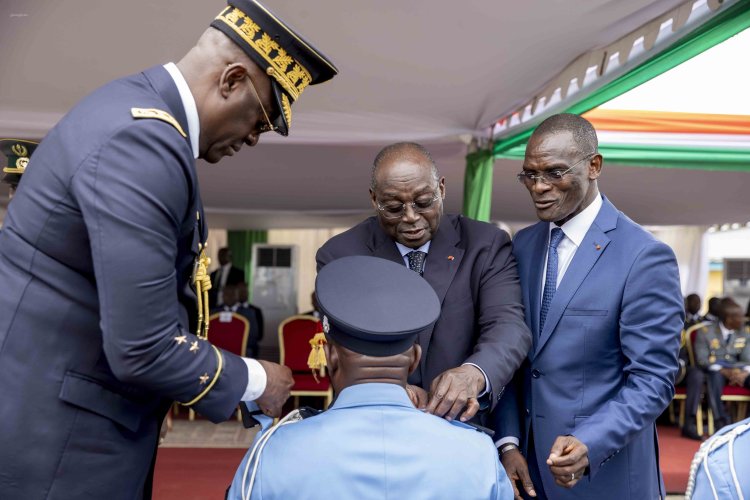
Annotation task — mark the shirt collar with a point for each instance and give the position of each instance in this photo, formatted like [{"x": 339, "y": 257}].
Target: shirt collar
[
  {"x": 372, "y": 394},
  {"x": 405, "y": 250},
  {"x": 576, "y": 228},
  {"x": 724, "y": 330},
  {"x": 188, "y": 102}
]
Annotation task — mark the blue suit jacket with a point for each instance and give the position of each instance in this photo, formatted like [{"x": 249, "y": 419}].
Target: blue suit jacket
[
  {"x": 471, "y": 267},
  {"x": 373, "y": 444},
  {"x": 603, "y": 367},
  {"x": 95, "y": 263}
]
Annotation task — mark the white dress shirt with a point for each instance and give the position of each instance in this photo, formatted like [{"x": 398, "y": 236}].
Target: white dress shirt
[
  {"x": 574, "y": 231},
  {"x": 256, "y": 375}
]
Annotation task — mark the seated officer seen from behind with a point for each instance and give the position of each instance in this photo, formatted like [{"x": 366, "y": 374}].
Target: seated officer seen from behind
[{"x": 372, "y": 442}]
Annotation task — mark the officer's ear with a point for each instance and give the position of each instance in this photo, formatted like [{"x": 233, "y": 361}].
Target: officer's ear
[
  {"x": 415, "y": 354},
  {"x": 234, "y": 74},
  {"x": 332, "y": 357}
]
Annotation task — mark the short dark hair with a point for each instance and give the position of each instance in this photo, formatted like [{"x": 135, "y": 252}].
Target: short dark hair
[
  {"x": 580, "y": 128},
  {"x": 727, "y": 304},
  {"x": 410, "y": 150}
]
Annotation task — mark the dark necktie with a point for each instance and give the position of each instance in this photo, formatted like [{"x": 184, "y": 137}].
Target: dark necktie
[
  {"x": 550, "y": 280},
  {"x": 416, "y": 261}
]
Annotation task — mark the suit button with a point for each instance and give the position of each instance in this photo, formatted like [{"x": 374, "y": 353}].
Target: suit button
[
  {"x": 535, "y": 373},
  {"x": 528, "y": 412}
]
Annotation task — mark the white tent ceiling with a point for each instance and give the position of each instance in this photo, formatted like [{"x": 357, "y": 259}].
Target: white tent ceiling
[{"x": 424, "y": 70}]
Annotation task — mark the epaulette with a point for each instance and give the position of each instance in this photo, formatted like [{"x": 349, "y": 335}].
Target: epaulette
[
  {"x": 474, "y": 427},
  {"x": 159, "y": 115}
]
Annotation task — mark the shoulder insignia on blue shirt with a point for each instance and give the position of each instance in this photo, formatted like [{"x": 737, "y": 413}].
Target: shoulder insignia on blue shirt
[{"x": 159, "y": 115}]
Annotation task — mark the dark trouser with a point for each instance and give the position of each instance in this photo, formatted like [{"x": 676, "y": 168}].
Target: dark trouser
[
  {"x": 536, "y": 476},
  {"x": 716, "y": 382},
  {"x": 694, "y": 381}
]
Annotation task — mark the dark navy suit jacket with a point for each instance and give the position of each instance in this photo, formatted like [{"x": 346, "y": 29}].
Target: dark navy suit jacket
[
  {"x": 603, "y": 367},
  {"x": 95, "y": 263},
  {"x": 471, "y": 267}
]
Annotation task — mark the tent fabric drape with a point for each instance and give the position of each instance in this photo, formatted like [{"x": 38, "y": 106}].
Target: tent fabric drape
[
  {"x": 626, "y": 120},
  {"x": 478, "y": 185},
  {"x": 718, "y": 29},
  {"x": 241, "y": 245}
]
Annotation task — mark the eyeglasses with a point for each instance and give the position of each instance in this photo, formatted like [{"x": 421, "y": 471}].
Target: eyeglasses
[
  {"x": 396, "y": 211},
  {"x": 529, "y": 178},
  {"x": 268, "y": 126}
]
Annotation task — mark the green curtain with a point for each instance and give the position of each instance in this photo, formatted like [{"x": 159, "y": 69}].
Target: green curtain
[
  {"x": 241, "y": 245},
  {"x": 724, "y": 25},
  {"x": 478, "y": 185}
]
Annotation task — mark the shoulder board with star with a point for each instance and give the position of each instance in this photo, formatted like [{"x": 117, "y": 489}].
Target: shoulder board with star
[{"x": 157, "y": 114}]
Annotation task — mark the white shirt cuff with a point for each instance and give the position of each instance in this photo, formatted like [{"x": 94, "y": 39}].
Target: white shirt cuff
[
  {"x": 746, "y": 368},
  {"x": 256, "y": 380},
  {"x": 714, "y": 367},
  {"x": 487, "y": 387},
  {"x": 507, "y": 439}
]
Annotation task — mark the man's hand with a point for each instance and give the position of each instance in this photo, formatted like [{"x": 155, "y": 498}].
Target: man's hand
[
  {"x": 728, "y": 372},
  {"x": 455, "y": 390},
  {"x": 517, "y": 470},
  {"x": 418, "y": 396},
  {"x": 738, "y": 378},
  {"x": 568, "y": 460},
  {"x": 279, "y": 382}
]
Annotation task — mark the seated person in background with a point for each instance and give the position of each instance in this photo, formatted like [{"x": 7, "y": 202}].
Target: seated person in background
[
  {"x": 372, "y": 442},
  {"x": 719, "y": 469},
  {"x": 714, "y": 305},
  {"x": 231, "y": 296},
  {"x": 243, "y": 295},
  {"x": 721, "y": 350},
  {"x": 692, "y": 310}
]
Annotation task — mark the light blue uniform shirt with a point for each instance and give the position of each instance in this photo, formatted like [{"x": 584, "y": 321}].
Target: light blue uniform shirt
[
  {"x": 720, "y": 468},
  {"x": 373, "y": 444}
]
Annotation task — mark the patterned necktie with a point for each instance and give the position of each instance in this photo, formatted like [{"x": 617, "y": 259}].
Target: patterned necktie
[
  {"x": 416, "y": 261},
  {"x": 550, "y": 280}
]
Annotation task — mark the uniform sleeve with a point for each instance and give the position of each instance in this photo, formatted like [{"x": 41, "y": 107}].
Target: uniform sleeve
[
  {"x": 651, "y": 318},
  {"x": 701, "y": 349},
  {"x": 134, "y": 196},
  {"x": 504, "y": 339}
]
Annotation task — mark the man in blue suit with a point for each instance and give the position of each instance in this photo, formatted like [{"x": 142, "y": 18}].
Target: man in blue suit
[
  {"x": 372, "y": 443},
  {"x": 603, "y": 302},
  {"x": 103, "y": 266}
]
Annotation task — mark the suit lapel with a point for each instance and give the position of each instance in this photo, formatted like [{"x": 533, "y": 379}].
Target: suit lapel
[
  {"x": 382, "y": 245},
  {"x": 443, "y": 261},
  {"x": 538, "y": 247},
  {"x": 592, "y": 247}
]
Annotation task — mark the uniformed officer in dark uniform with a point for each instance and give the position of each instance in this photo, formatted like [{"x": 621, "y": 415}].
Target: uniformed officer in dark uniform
[
  {"x": 103, "y": 310},
  {"x": 18, "y": 153},
  {"x": 721, "y": 349}
]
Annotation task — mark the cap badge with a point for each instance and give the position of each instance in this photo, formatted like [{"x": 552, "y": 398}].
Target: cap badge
[
  {"x": 326, "y": 325},
  {"x": 19, "y": 150}
]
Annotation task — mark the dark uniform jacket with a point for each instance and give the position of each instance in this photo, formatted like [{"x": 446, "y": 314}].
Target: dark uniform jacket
[
  {"x": 97, "y": 306},
  {"x": 472, "y": 269}
]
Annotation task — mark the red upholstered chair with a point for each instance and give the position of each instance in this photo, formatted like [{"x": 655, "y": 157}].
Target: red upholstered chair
[
  {"x": 295, "y": 334},
  {"x": 733, "y": 394},
  {"x": 229, "y": 331}
]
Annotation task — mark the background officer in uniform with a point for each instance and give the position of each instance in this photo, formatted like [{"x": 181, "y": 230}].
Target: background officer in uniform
[
  {"x": 722, "y": 349},
  {"x": 18, "y": 153},
  {"x": 108, "y": 234},
  {"x": 372, "y": 442}
]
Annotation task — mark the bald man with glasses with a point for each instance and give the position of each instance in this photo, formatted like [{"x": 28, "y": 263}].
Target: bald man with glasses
[
  {"x": 604, "y": 306},
  {"x": 480, "y": 339}
]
